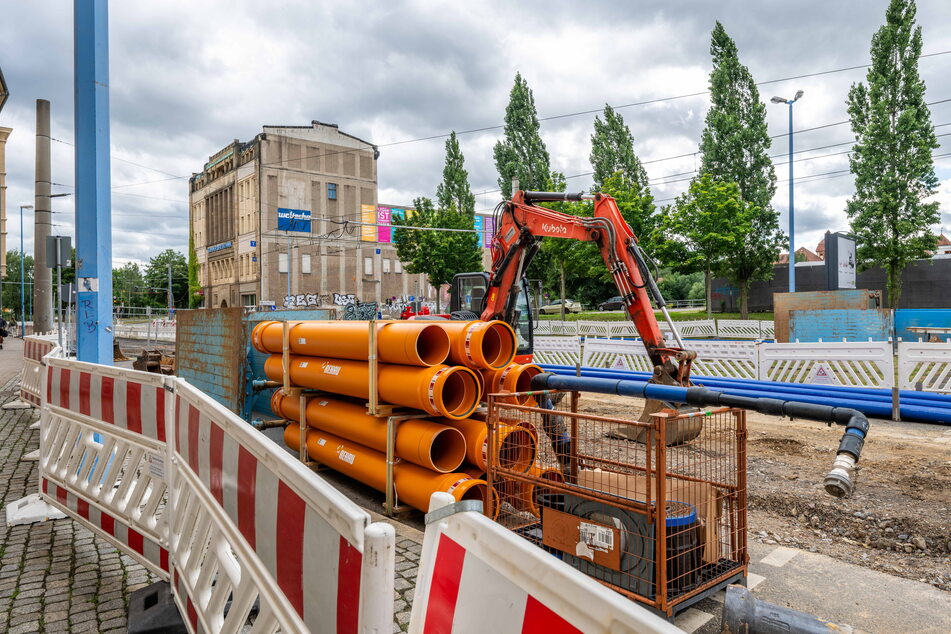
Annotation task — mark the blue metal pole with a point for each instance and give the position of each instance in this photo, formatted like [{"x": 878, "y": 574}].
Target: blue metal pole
[
  {"x": 93, "y": 198},
  {"x": 22, "y": 282},
  {"x": 792, "y": 224}
]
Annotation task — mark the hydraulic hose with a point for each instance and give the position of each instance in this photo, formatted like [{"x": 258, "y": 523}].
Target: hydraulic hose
[{"x": 839, "y": 482}]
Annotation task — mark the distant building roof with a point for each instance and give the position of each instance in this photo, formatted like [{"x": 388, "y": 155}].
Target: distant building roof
[{"x": 808, "y": 256}]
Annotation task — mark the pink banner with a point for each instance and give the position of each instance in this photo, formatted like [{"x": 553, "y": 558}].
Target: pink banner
[{"x": 384, "y": 216}]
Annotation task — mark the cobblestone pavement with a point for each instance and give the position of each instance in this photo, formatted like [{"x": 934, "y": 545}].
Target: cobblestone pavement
[
  {"x": 55, "y": 576},
  {"x": 407, "y": 565}
]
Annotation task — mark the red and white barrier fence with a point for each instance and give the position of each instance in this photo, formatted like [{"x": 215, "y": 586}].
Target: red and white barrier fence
[
  {"x": 34, "y": 349},
  {"x": 234, "y": 522},
  {"x": 475, "y": 575}
]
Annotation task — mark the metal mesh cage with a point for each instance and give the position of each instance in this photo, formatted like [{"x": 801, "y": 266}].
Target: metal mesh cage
[{"x": 586, "y": 487}]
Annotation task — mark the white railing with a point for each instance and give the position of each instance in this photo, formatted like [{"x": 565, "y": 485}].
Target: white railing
[
  {"x": 35, "y": 347},
  {"x": 557, "y": 350},
  {"x": 712, "y": 328},
  {"x": 924, "y": 366},
  {"x": 729, "y": 359},
  {"x": 852, "y": 364}
]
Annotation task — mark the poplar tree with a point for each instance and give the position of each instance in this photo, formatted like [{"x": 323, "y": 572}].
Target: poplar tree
[
  {"x": 521, "y": 153},
  {"x": 612, "y": 150},
  {"x": 734, "y": 149},
  {"x": 440, "y": 255},
  {"x": 891, "y": 159},
  {"x": 454, "y": 192}
]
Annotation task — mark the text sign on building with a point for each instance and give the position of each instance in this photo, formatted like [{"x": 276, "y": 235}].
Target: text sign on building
[
  {"x": 384, "y": 218},
  {"x": 479, "y": 232},
  {"x": 841, "y": 262},
  {"x": 219, "y": 247},
  {"x": 293, "y": 220},
  {"x": 368, "y": 218}
]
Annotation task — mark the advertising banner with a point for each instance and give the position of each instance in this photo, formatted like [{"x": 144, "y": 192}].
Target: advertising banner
[
  {"x": 368, "y": 217},
  {"x": 384, "y": 217},
  {"x": 846, "y": 261},
  {"x": 293, "y": 220},
  {"x": 489, "y": 230},
  {"x": 479, "y": 232}
]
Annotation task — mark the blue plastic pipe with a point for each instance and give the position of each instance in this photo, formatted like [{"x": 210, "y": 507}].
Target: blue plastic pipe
[
  {"x": 773, "y": 387},
  {"x": 879, "y": 409}
]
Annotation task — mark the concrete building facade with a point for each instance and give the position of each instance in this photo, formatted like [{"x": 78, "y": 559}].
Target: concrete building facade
[{"x": 274, "y": 222}]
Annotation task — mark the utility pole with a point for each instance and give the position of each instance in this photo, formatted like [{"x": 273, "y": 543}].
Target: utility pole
[
  {"x": 792, "y": 223},
  {"x": 93, "y": 185},
  {"x": 171, "y": 298},
  {"x": 42, "y": 275}
]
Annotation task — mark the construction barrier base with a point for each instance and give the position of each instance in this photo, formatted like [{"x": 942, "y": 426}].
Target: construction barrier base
[{"x": 152, "y": 610}]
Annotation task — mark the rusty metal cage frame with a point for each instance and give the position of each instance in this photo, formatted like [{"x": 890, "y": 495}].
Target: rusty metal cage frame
[{"x": 656, "y": 469}]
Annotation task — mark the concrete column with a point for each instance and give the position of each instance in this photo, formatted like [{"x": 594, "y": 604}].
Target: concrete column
[
  {"x": 42, "y": 227},
  {"x": 4, "y": 134}
]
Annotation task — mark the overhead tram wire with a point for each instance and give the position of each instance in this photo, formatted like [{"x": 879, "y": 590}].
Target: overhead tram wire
[{"x": 551, "y": 118}]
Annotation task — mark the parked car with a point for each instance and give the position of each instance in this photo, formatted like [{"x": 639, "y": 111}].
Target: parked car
[
  {"x": 615, "y": 303},
  {"x": 571, "y": 306}
]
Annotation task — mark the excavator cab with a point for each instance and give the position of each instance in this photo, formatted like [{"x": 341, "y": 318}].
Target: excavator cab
[{"x": 467, "y": 301}]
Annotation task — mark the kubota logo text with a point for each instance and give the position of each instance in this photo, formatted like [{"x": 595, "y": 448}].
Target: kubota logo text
[{"x": 554, "y": 228}]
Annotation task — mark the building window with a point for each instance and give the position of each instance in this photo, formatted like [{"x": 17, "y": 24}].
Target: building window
[
  {"x": 397, "y": 266},
  {"x": 305, "y": 264},
  {"x": 386, "y": 265},
  {"x": 282, "y": 263},
  {"x": 331, "y": 191},
  {"x": 249, "y": 300},
  {"x": 368, "y": 266}
]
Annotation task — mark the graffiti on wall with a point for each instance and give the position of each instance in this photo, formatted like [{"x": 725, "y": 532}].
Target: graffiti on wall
[
  {"x": 361, "y": 311},
  {"x": 298, "y": 301},
  {"x": 342, "y": 299}
]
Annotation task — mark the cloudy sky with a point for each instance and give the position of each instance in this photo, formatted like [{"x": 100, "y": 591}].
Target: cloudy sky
[{"x": 188, "y": 77}]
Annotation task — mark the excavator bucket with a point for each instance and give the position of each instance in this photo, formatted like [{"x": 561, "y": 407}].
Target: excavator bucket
[{"x": 678, "y": 433}]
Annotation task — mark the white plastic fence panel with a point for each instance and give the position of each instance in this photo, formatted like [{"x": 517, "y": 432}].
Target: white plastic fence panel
[
  {"x": 622, "y": 329},
  {"x": 543, "y": 327},
  {"x": 725, "y": 359},
  {"x": 594, "y": 328},
  {"x": 695, "y": 328},
  {"x": 926, "y": 363},
  {"x": 739, "y": 329},
  {"x": 557, "y": 350},
  {"x": 477, "y": 576},
  {"x": 616, "y": 354},
  {"x": 556, "y": 327},
  {"x": 248, "y": 523},
  {"x": 851, "y": 364},
  {"x": 35, "y": 347},
  {"x": 767, "y": 329},
  {"x": 116, "y": 485}
]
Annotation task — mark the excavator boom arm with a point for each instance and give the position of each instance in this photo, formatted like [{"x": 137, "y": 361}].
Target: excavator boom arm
[{"x": 523, "y": 223}]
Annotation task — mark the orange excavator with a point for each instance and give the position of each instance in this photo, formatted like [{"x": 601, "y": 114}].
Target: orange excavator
[{"x": 503, "y": 292}]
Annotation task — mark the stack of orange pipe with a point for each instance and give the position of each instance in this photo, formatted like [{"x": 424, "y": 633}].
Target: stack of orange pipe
[
  {"x": 430, "y": 366},
  {"x": 514, "y": 377}
]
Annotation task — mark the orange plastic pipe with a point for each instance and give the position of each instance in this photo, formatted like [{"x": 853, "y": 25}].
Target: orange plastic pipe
[
  {"x": 524, "y": 495},
  {"x": 414, "y": 484},
  {"x": 443, "y": 390},
  {"x": 403, "y": 342},
  {"x": 479, "y": 344},
  {"x": 518, "y": 445},
  {"x": 423, "y": 442},
  {"x": 515, "y": 377}
]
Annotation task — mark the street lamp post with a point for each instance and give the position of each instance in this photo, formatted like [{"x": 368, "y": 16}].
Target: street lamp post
[
  {"x": 22, "y": 276},
  {"x": 792, "y": 216}
]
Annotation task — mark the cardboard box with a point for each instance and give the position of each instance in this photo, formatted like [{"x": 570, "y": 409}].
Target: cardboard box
[{"x": 700, "y": 495}]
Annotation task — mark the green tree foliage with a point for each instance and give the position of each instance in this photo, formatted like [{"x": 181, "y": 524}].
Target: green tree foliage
[
  {"x": 891, "y": 159},
  {"x": 454, "y": 192},
  {"x": 128, "y": 286},
  {"x": 11, "y": 285},
  {"x": 437, "y": 254},
  {"x": 440, "y": 255},
  {"x": 156, "y": 278},
  {"x": 521, "y": 153},
  {"x": 676, "y": 286},
  {"x": 700, "y": 229},
  {"x": 612, "y": 152},
  {"x": 194, "y": 296},
  {"x": 734, "y": 148}
]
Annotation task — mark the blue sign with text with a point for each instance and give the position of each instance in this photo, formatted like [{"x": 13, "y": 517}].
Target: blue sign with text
[{"x": 293, "y": 220}]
